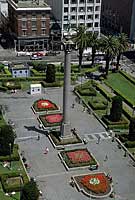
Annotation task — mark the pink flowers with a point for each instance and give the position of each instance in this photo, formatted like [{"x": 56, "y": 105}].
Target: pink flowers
[
  {"x": 79, "y": 156},
  {"x": 54, "y": 118}
]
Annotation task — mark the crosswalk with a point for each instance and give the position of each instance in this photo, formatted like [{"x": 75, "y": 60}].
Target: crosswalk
[{"x": 95, "y": 136}]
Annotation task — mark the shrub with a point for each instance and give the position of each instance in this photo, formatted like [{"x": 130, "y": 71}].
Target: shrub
[
  {"x": 97, "y": 105},
  {"x": 87, "y": 91},
  {"x": 50, "y": 73},
  {"x": 131, "y": 135},
  {"x": 55, "y": 84},
  {"x": 14, "y": 156},
  {"x": 130, "y": 144},
  {"x": 3, "y": 88},
  {"x": 116, "y": 110},
  {"x": 11, "y": 85}
]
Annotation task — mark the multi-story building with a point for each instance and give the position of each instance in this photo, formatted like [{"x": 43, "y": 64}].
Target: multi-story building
[
  {"x": 118, "y": 16},
  {"x": 77, "y": 12},
  {"x": 30, "y": 23}
]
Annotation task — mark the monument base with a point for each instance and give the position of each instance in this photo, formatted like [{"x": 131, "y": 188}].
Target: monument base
[{"x": 65, "y": 131}]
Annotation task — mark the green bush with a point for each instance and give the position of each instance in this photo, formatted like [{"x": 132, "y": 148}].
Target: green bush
[
  {"x": 11, "y": 85},
  {"x": 96, "y": 105},
  {"x": 116, "y": 110},
  {"x": 3, "y": 88},
  {"x": 14, "y": 156},
  {"x": 131, "y": 135},
  {"x": 87, "y": 91},
  {"x": 7, "y": 72},
  {"x": 50, "y": 73},
  {"x": 34, "y": 72}
]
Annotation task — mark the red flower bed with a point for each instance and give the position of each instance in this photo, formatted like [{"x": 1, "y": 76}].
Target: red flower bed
[
  {"x": 79, "y": 156},
  {"x": 97, "y": 183},
  {"x": 45, "y": 104},
  {"x": 55, "y": 118}
]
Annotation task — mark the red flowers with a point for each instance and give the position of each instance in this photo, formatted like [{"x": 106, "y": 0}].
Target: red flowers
[
  {"x": 54, "y": 118},
  {"x": 79, "y": 156},
  {"x": 45, "y": 104},
  {"x": 97, "y": 183}
]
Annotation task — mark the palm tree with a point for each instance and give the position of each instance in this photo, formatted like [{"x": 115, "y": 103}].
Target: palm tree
[
  {"x": 122, "y": 45},
  {"x": 109, "y": 46},
  {"x": 94, "y": 44},
  {"x": 81, "y": 40}
]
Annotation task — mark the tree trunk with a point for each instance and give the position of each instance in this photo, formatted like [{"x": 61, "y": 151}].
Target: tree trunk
[
  {"x": 80, "y": 59},
  {"x": 118, "y": 61},
  {"x": 93, "y": 55},
  {"x": 107, "y": 65}
]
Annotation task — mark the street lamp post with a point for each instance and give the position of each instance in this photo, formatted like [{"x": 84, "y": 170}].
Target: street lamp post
[
  {"x": 65, "y": 127},
  {"x": 10, "y": 153}
]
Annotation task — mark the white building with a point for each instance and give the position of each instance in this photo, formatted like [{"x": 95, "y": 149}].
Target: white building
[
  {"x": 77, "y": 12},
  {"x": 35, "y": 89}
]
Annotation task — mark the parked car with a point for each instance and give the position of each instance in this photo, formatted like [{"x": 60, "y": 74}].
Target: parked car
[{"x": 35, "y": 57}]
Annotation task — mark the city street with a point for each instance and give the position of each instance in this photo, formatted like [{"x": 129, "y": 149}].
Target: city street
[{"x": 49, "y": 172}]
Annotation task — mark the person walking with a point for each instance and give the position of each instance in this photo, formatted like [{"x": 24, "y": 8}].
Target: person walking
[
  {"x": 106, "y": 158},
  {"x": 46, "y": 150}
]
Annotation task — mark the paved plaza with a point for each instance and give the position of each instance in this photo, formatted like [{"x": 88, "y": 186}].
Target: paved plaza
[{"x": 49, "y": 172}]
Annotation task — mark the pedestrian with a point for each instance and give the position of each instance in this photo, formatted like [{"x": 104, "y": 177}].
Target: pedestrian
[
  {"x": 106, "y": 158},
  {"x": 99, "y": 138},
  {"x": 40, "y": 126},
  {"x": 73, "y": 105},
  {"x": 46, "y": 150},
  {"x": 38, "y": 137}
]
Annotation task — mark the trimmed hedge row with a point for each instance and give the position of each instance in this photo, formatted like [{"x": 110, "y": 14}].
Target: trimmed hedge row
[
  {"x": 34, "y": 72},
  {"x": 13, "y": 187},
  {"x": 7, "y": 72},
  {"x": 127, "y": 76},
  {"x": 55, "y": 84},
  {"x": 106, "y": 94},
  {"x": 97, "y": 105},
  {"x": 130, "y": 144},
  {"x": 22, "y": 79},
  {"x": 16, "y": 85},
  {"x": 87, "y": 91}
]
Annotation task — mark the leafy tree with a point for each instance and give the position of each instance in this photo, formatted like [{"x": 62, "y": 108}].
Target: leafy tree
[
  {"x": 116, "y": 110},
  {"x": 108, "y": 45},
  {"x": 7, "y": 137},
  {"x": 30, "y": 191},
  {"x": 81, "y": 40},
  {"x": 122, "y": 45},
  {"x": 131, "y": 135},
  {"x": 94, "y": 44},
  {"x": 50, "y": 73},
  {"x": 1, "y": 67}
]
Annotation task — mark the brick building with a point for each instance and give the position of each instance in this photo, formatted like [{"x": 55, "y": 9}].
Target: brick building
[
  {"x": 118, "y": 16},
  {"x": 30, "y": 24}
]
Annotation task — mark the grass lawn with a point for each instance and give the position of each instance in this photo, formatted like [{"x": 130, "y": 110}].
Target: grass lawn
[
  {"x": 120, "y": 83},
  {"x": 4, "y": 197}
]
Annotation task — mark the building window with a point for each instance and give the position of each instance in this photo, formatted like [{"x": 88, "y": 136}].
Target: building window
[
  {"x": 43, "y": 31},
  {"x": 96, "y": 16},
  {"x": 97, "y": 1},
  {"x": 33, "y": 16},
  {"x": 73, "y": 1},
  {"x": 66, "y": 1},
  {"x": 24, "y": 32},
  {"x": 96, "y": 24},
  {"x": 14, "y": 72},
  {"x": 43, "y": 24},
  {"x": 73, "y": 17},
  {"x": 33, "y": 24},
  {"x": 90, "y": 1},
  {"x": 97, "y": 8},
  {"x": 73, "y": 9},
  {"x": 89, "y": 9},
  {"x": 65, "y": 18},
  {"x": 82, "y": 1},
  {"x": 24, "y": 17},
  {"x": 89, "y": 25},
  {"x": 65, "y": 10},
  {"x": 23, "y": 24},
  {"x": 43, "y": 16},
  {"x": 34, "y": 32},
  {"x": 82, "y": 17},
  {"x": 90, "y": 17},
  {"x": 20, "y": 72},
  {"x": 81, "y": 9}
]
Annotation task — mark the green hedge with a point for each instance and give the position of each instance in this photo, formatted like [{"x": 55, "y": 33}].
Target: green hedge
[
  {"x": 3, "y": 88},
  {"x": 34, "y": 72},
  {"x": 55, "y": 84},
  {"x": 106, "y": 94},
  {"x": 97, "y": 105},
  {"x": 127, "y": 76},
  {"x": 130, "y": 144},
  {"x": 13, "y": 187},
  {"x": 14, "y": 156},
  {"x": 87, "y": 91},
  {"x": 7, "y": 72},
  {"x": 12, "y": 85}
]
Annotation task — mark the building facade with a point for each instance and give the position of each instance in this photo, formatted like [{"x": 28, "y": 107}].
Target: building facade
[
  {"x": 118, "y": 16},
  {"x": 19, "y": 70},
  {"x": 77, "y": 12},
  {"x": 30, "y": 24}
]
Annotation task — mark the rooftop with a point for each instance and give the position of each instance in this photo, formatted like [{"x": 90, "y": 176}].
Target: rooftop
[{"x": 29, "y": 4}]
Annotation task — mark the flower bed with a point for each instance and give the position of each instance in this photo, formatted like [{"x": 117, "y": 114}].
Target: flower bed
[
  {"x": 95, "y": 185},
  {"x": 78, "y": 158},
  {"x": 44, "y": 105},
  {"x": 51, "y": 119}
]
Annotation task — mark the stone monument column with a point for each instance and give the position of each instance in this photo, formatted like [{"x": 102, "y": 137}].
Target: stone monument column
[{"x": 65, "y": 127}]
